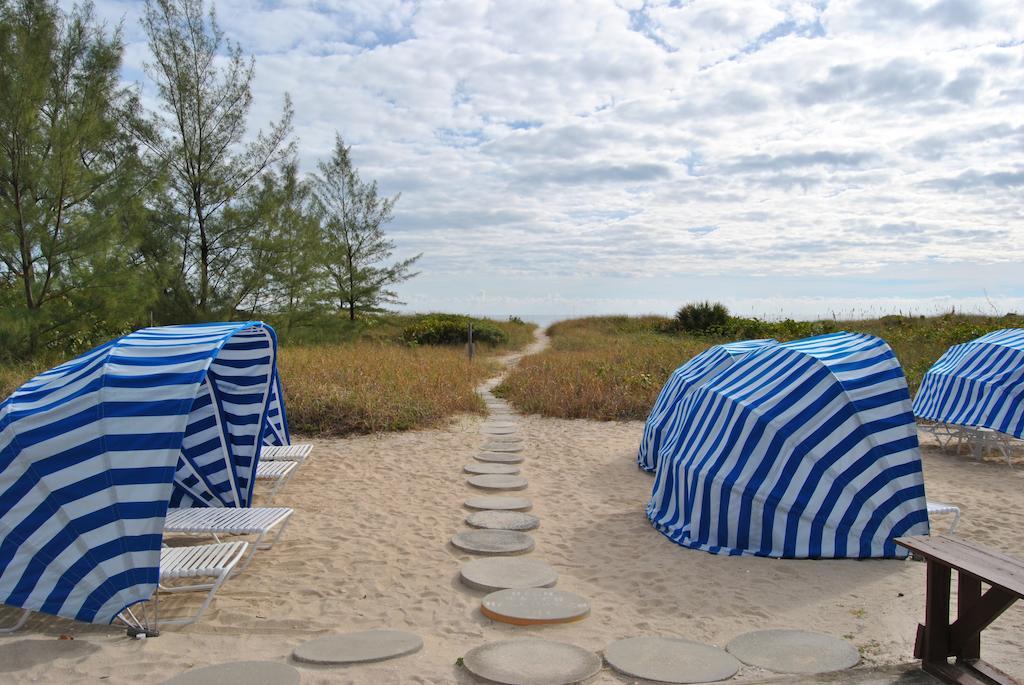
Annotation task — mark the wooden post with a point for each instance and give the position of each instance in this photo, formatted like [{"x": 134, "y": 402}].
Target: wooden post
[{"x": 469, "y": 346}]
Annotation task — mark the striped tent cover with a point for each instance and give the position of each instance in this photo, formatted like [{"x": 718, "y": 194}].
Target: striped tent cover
[
  {"x": 802, "y": 449},
  {"x": 979, "y": 383},
  {"x": 684, "y": 379},
  {"x": 93, "y": 452},
  {"x": 276, "y": 431}
]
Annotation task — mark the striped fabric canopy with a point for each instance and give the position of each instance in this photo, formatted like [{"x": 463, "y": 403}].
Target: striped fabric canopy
[
  {"x": 276, "y": 431},
  {"x": 979, "y": 383},
  {"x": 802, "y": 449},
  {"x": 93, "y": 451},
  {"x": 684, "y": 379}
]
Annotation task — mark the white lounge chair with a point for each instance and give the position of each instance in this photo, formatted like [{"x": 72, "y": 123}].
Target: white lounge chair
[
  {"x": 298, "y": 452},
  {"x": 198, "y": 561},
  {"x": 218, "y": 521},
  {"x": 981, "y": 440},
  {"x": 277, "y": 472},
  {"x": 177, "y": 563},
  {"x": 943, "y": 508}
]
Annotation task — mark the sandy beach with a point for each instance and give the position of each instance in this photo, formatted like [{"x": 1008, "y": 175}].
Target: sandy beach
[{"x": 368, "y": 548}]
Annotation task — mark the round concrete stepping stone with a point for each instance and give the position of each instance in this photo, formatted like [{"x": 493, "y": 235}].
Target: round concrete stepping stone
[
  {"x": 500, "y": 503},
  {"x": 239, "y": 673},
  {"x": 493, "y": 482},
  {"x": 503, "y": 520},
  {"x": 510, "y": 447},
  {"x": 534, "y": 606},
  {"x": 500, "y": 424},
  {"x": 506, "y": 574},
  {"x": 361, "y": 647},
  {"x": 497, "y": 430},
  {"x": 485, "y": 469},
  {"x": 500, "y": 457},
  {"x": 532, "y": 662},
  {"x": 670, "y": 660},
  {"x": 504, "y": 438},
  {"x": 494, "y": 542},
  {"x": 793, "y": 651}
]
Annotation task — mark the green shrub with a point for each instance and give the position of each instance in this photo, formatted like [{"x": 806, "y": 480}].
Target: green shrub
[
  {"x": 702, "y": 317},
  {"x": 451, "y": 329}
]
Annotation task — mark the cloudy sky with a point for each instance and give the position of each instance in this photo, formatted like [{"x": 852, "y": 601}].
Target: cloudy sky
[{"x": 787, "y": 158}]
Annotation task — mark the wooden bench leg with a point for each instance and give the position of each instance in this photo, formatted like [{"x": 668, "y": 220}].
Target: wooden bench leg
[
  {"x": 936, "y": 615},
  {"x": 967, "y": 597}
]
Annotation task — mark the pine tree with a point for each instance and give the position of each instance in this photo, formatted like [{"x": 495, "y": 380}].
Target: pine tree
[
  {"x": 356, "y": 250},
  {"x": 198, "y": 136},
  {"x": 71, "y": 182},
  {"x": 287, "y": 256}
]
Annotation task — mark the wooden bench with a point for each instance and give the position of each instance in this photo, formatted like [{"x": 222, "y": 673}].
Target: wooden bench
[{"x": 937, "y": 638}]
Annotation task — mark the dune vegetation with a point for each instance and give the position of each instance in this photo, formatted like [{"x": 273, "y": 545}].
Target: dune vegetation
[
  {"x": 612, "y": 367},
  {"x": 370, "y": 375}
]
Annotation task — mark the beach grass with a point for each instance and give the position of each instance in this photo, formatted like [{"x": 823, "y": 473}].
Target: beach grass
[
  {"x": 363, "y": 376},
  {"x": 612, "y": 368},
  {"x": 366, "y": 387}
]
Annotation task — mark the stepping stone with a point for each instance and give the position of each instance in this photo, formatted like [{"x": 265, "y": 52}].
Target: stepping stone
[
  {"x": 361, "y": 647},
  {"x": 503, "y": 446},
  {"x": 670, "y": 660},
  {"x": 497, "y": 430},
  {"x": 499, "y": 457},
  {"x": 239, "y": 673},
  {"x": 500, "y": 424},
  {"x": 531, "y": 662},
  {"x": 485, "y": 469},
  {"x": 500, "y": 503},
  {"x": 505, "y": 438},
  {"x": 534, "y": 606},
  {"x": 493, "y": 482},
  {"x": 505, "y": 574},
  {"x": 503, "y": 520},
  {"x": 793, "y": 651},
  {"x": 494, "y": 542}
]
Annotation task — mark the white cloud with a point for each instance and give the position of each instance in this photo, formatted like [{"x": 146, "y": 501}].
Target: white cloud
[{"x": 823, "y": 142}]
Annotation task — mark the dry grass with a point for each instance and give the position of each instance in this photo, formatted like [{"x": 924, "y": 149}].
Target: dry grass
[
  {"x": 599, "y": 372},
  {"x": 612, "y": 368},
  {"x": 366, "y": 387},
  {"x": 14, "y": 374}
]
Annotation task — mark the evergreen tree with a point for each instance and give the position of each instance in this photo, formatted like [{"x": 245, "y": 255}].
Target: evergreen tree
[
  {"x": 71, "y": 184},
  {"x": 198, "y": 136},
  {"x": 287, "y": 256},
  {"x": 353, "y": 215}
]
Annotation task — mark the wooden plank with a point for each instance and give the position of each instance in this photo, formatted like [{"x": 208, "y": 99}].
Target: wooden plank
[
  {"x": 990, "y": 565},
  {"x": 960, "y": 674},
  {"x": 936, "y": 613},
  {"x": 968, "y": 595}
]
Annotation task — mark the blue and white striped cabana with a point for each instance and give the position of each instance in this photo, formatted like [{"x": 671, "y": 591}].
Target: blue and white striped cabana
[
  {"x": 801, "y": 449},
  {"x": 684, "y": 379},
  {"x": 93, "y": 452},
  {"x": 979, "y": 383},
  {"x": 276, "y": 431}
]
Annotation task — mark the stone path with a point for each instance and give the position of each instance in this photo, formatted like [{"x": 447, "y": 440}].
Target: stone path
[{"x": 520, "y": 598}]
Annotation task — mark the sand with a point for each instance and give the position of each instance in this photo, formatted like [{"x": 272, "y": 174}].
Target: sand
[{"x": 368, "y": 548}]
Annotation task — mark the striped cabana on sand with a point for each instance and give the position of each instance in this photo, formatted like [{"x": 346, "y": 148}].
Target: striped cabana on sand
[
  {"x": 979, "y": 383},
  {"x": 801, "y": 449},
  {"x": 93, "y": 452},
  {"x": 684, "y": 379},
  {"x": 276, "y": 431}
]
